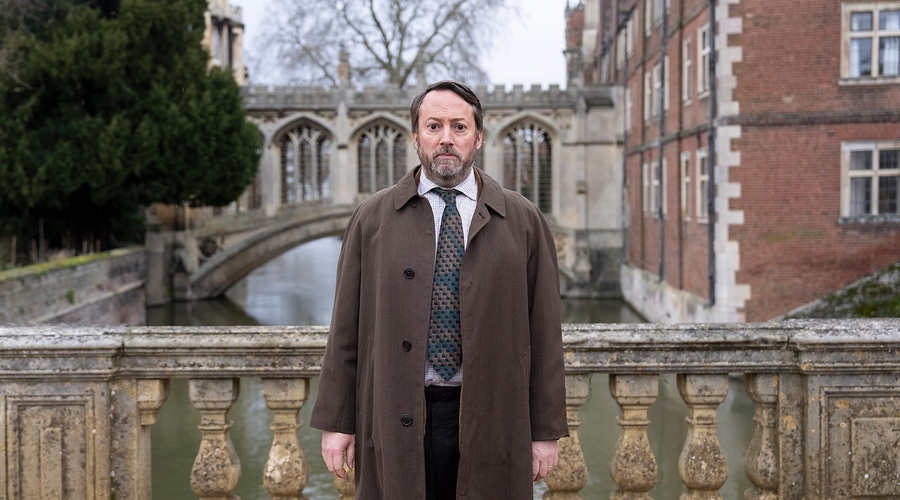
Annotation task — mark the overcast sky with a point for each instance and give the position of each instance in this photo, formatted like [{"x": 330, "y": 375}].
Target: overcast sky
[{"x": 531, "y": 51}]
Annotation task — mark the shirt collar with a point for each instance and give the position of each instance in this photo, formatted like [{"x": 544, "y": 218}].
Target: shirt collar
[{"x": 468, "y": 187}]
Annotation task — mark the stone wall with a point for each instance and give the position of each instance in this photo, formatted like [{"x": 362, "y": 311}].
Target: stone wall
[{"x": 103, "y": 288}]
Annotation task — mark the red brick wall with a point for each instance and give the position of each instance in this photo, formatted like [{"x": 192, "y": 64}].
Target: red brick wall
[
  {"x": 795, "y": 113},
  {"x": 794, "y": 249}
]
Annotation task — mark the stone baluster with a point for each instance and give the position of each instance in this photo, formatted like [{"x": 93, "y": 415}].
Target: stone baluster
[
  {"x": 151, "y": 395},
  {"x": 287, "y": 471},
  {"x": 761, "y": 461},
  {"x": 570, "y": 476},
  {"x": 347, "y": 488},
  {"x": 633, "y": 465},
  {"x": 702, "y": 463},
  {"x": 217, "y": 467}
]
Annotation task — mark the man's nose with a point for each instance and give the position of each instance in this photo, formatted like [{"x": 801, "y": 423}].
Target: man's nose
[{"x": 446, "y": 136}]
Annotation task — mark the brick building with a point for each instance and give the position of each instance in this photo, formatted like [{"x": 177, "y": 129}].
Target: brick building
[{"x": 805, "y": 194}]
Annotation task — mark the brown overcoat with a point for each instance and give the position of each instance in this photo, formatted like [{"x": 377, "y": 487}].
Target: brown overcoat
[{"x": 372, "y": 375}]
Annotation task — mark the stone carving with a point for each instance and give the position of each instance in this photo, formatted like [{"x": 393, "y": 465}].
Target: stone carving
[
  {"x": 633, "y": 465},
  {"x": 861, "y": 439},
  {"x": 287, "y": 471},
  {"x": 761, "y": 461},
  {"x": 571, "y": 475},
  {"x": 217, "y": 467},
  {"x": 702, "y": 463},
  {"x": 51, "y": 451}
]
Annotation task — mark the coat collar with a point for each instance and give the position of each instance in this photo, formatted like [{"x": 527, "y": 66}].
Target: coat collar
[{"x": 490, "y": 193}]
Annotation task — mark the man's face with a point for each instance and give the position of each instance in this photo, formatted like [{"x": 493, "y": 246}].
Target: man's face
[{"x": 446, "y": 138}]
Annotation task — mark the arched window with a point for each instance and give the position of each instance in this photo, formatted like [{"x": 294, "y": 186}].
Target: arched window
[
  {"x": 305, "y": 169},
  {"x": 527, "y": 163},
  {"x": 382, "y": 157}
]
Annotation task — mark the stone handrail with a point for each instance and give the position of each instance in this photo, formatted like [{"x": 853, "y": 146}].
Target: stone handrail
[{"x": 826, "y": 396}]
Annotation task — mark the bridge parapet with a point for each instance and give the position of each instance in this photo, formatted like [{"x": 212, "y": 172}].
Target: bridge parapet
[
  {"x": 79, "y": 404},
  {"x": 394, "y": 98}
]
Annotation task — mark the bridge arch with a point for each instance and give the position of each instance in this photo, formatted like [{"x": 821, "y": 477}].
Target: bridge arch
[{"x": 226, "y": 267}]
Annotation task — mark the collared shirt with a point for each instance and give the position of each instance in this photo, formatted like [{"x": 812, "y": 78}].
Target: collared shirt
[{"x": 466, "y": 203}]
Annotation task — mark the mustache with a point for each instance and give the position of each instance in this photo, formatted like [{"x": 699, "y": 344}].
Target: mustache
[{"x": 446, "y": 150}]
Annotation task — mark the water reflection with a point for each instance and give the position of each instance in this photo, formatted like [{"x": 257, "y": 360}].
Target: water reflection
[{"x": 298, "y": 289}]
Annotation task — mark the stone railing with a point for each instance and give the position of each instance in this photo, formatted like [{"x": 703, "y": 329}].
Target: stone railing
[{"x": 79, "y": 405}]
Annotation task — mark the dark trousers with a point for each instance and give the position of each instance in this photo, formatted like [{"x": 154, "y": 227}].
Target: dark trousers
[{"x": 441, "y": 442}]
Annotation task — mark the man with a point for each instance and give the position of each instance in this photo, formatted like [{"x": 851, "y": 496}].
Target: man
[{"x": 445, "y": 329}]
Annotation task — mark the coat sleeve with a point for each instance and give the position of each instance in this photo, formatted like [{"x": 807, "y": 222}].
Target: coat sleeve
[
  {"x": 548, "y": 378},
  {"x": 335, "y": 406}
]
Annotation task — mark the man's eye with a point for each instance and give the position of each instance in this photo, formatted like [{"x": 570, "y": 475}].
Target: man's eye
[
  {"x": 460, "y": 127},
  {"x": 432, "y": 126}
]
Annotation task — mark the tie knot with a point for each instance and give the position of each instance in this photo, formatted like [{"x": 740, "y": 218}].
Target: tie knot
[{"x": 448, "y": 195}]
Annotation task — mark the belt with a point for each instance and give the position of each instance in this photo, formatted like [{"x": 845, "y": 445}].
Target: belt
[{"x": 442, "y": 393}]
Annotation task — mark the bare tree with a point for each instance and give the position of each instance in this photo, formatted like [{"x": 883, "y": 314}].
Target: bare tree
[
  {"x": 14, "y": 10},
  {"x": 383, "y": 41}
]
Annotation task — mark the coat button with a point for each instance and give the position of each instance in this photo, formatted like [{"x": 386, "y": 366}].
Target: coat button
[
  {"x": 414, "y": 204},
  {"x": 409, "y": 273},
  {"x": 406, "y": 345},
  {"x": 406, "y": 419}
]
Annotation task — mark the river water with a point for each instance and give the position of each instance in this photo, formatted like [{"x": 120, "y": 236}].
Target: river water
[{"x": 297, "y": 288}]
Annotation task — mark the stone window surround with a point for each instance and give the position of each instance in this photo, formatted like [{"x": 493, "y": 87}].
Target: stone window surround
[
  {"x": 875, "y": 173},
  {"x": 702, "y": 183},
  {"x": 847, "y": 9},
  {"x": 686, "y": 185},
  {"x": 703, "y": 60}
]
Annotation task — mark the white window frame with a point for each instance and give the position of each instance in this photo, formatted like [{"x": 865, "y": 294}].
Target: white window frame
[
  {"x": 629, "y": 105},
  {"x": 847, "y": 9},
  {"x": 667, "y": 84},
  {"x": 655, "y": 185},
  {"x": 702, "y": 185},
  {"x": 687, "y": 63},
  {"x": 656, "y": 82},
  {"x": 703, "y": 61},
  {"x": 645, "y": 176},
  {"x": 629, "y": 36},
  {"x": 875, "y": 174},
  {"x": 648, "y": 94},
  {"x": 620, "y": 48},
  {"x": 653, "y": 13},
  {"x": 686, "y": 185}
]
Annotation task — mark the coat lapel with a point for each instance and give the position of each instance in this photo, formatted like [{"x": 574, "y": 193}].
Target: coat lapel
[{"x": 490, "y": 195}]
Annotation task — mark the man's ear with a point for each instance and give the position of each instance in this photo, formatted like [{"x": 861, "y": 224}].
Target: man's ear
[
  {"x": 415, "y": 136},
  {"x": 479, "y": 141}
]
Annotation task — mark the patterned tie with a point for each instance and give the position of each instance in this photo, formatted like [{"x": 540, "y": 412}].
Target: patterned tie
[{"x": 444, "y": 349}]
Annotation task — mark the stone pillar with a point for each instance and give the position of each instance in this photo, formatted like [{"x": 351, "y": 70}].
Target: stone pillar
[
  {"x": 571, "y": 475},
  {"x": 633, "y": 465},
  {"x": 217, "y": 467},
  {"x": 761, "y": 461},
  {"x": 702, "y": 463},
  {"x": 270, "y": 177},
  {"x": 151, "y": 394},
  {"x": 287, "y": 471}
]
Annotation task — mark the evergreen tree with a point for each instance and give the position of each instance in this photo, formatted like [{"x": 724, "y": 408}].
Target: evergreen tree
[{"x": 107, "y": 106}]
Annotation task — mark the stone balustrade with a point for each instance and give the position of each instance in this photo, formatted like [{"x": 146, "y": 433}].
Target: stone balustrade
[{"x": 79, "y": 405}]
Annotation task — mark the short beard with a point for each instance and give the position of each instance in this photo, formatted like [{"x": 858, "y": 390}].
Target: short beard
[{"x": 446, "y": 173}]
